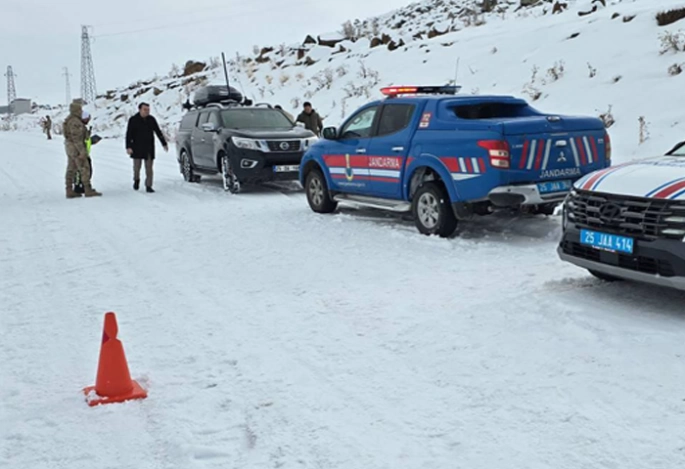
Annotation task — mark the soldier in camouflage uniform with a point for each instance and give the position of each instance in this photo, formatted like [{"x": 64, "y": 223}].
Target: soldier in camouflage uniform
[{"x": 75, "y": 134}]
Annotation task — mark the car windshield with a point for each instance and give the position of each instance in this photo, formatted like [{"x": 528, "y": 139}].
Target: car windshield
[{"x": 255, "y": 119}]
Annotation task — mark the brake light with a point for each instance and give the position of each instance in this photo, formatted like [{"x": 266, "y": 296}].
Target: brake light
[
  {"x": 498, "y": 151},
  {"x": 607, "y": 143}
]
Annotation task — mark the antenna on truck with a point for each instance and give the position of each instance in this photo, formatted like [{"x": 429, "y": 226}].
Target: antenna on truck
[{"x": 228, "y": 85}]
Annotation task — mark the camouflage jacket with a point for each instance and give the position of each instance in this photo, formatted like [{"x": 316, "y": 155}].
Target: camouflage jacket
[{"x": 75, "y": 131}]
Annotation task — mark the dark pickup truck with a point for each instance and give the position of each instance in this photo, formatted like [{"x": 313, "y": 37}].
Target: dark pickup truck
[{"x": 245, "y": 143}]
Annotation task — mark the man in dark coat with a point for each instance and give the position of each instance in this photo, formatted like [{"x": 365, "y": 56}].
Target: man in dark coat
[
  {"x": 140, "y": 144},
  {"x": 311, "y": 119}
]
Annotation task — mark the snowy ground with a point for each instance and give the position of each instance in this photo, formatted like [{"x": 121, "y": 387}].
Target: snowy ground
[{"x": 270, "y": 337}]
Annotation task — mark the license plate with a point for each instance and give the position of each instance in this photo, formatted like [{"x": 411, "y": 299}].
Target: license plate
[
  {"x": 286, "y": 168},
  {"x": 606, "y": 242},
  {"x": 554, "y": 186}
]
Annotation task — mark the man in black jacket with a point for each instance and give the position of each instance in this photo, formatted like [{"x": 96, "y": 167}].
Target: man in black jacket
[{"x": 140, "y": 144}]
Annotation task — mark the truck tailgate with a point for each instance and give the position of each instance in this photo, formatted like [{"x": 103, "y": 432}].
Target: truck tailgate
[{"x": 550, "y": 147}]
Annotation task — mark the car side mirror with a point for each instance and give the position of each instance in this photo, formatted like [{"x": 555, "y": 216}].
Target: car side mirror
[
  {"x": 330, "y": 133},
  {"x": 209, "y": 127}
]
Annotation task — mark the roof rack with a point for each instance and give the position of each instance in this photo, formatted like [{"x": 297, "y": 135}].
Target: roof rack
[
  {"x": 219, "y": 105},
  {"x": 394, "y": 91}
]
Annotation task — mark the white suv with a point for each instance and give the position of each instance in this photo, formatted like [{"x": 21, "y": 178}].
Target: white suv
[{"x": 628, "y": 221}]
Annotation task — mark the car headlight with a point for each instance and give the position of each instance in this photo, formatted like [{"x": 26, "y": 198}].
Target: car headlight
[
  {"x": 245, "y": 143},
  {"x": 307, "y": 142}
]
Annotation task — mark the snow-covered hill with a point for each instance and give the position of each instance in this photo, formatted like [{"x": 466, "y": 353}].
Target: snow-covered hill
[{"x": 591, "y": 57}]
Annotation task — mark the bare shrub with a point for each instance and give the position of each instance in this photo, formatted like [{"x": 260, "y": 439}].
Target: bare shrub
[
  {"x": 530, "y": 88},
  {"x": 675, "y": 69},
  {"x": 533, "y": 92},
  {"x": 365, "y": 73},
  {"x": 349, "y": 31},
  {"x": 175, "y": 71},
  {"x": 375, "y": 27},
  {"x": 284, "y": 78},
  {"x": 644, "y": 129},
  {"x": 592, "y": 71},
  {"x": 617, "y": 78},
  {"x": 341, "y": 71},
  {"x": 299, "y": 76},
  {"x": 494, "y": 50},
  {"x": 295, "y": 102},
  {"x": 672, "y": 42},
  {"x": 556, "y": 71},
  {"x": 353, "y": 90},
  {"x": 214, "y": 62},
  {"x": 608, "y": 118},
  {"x": 269, "y": 79},
  {"x": 324, "y": 79}
]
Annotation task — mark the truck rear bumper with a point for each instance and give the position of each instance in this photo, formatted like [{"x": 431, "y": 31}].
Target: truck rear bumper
[{"x": 515, "y": 196}]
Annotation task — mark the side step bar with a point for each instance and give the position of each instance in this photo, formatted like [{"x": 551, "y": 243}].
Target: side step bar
[{"x": 373, "y": 202}]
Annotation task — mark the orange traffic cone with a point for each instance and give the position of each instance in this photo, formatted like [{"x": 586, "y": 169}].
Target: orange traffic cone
[{"x": 113, "y": 382}]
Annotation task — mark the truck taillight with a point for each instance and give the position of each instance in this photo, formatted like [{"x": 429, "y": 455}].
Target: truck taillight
[
  {"x": 607, "y": 143},
  {"x": 498, "y": 151}
]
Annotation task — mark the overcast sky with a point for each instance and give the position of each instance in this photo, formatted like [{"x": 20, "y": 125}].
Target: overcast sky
[{"x": 41, "y": 37}]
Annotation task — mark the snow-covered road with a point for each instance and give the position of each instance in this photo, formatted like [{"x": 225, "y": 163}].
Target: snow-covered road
[{"x": 271, "y": 337}]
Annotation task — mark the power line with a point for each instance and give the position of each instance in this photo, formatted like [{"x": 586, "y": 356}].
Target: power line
[{"x": 88, "y": 89}]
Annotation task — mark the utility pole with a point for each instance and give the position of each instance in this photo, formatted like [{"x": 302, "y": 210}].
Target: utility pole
[
  {"x": 67, "y": 75},
  {"x": 88, "y": 90},
  {"x": 11, "y": 87}
]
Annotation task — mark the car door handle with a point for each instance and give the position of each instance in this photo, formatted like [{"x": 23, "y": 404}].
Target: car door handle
[
  {"x": 361, "y": 150},
  {"x": 397, "y": 148}
]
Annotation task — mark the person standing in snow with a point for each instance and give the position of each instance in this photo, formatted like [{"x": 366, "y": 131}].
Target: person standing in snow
[
  {"x": 311, "y": 119},
  {"x": 75, "y": 134},
  {"x": 47, "y": 126},
  {"x": 287, "y": 114},
  {"x": 90, "y": 141},
  {"x": 140, "y": 144}
]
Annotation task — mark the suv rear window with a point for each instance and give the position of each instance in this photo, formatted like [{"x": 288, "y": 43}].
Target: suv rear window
[
  {"x": 255, "y": 119},
  {"x": 492, "y": 110}
]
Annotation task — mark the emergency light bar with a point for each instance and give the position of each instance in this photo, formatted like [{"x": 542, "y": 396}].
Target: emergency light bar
[{"x": 391, "y": 91}]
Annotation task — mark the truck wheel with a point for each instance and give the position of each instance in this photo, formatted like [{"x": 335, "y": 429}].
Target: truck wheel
[
  {"x": 432, "y": 212},
  {"x": 187, "y": 168},
  {"x": 317, "y": 193},
  {"x": 605, "y": 277},
  {"x": 229, "y": 178}
]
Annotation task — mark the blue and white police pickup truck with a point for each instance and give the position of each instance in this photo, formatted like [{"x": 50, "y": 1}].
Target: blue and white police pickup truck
[{"x": 446, "y": 157}]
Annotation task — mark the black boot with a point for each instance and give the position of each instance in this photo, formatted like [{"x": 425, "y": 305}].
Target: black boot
[
  {"x": 149, "y": 189},
  {"x": 136, "y": 185}
]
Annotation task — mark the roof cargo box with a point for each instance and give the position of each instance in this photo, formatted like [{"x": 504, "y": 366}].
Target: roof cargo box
[{"x": 216, "y": 94}]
